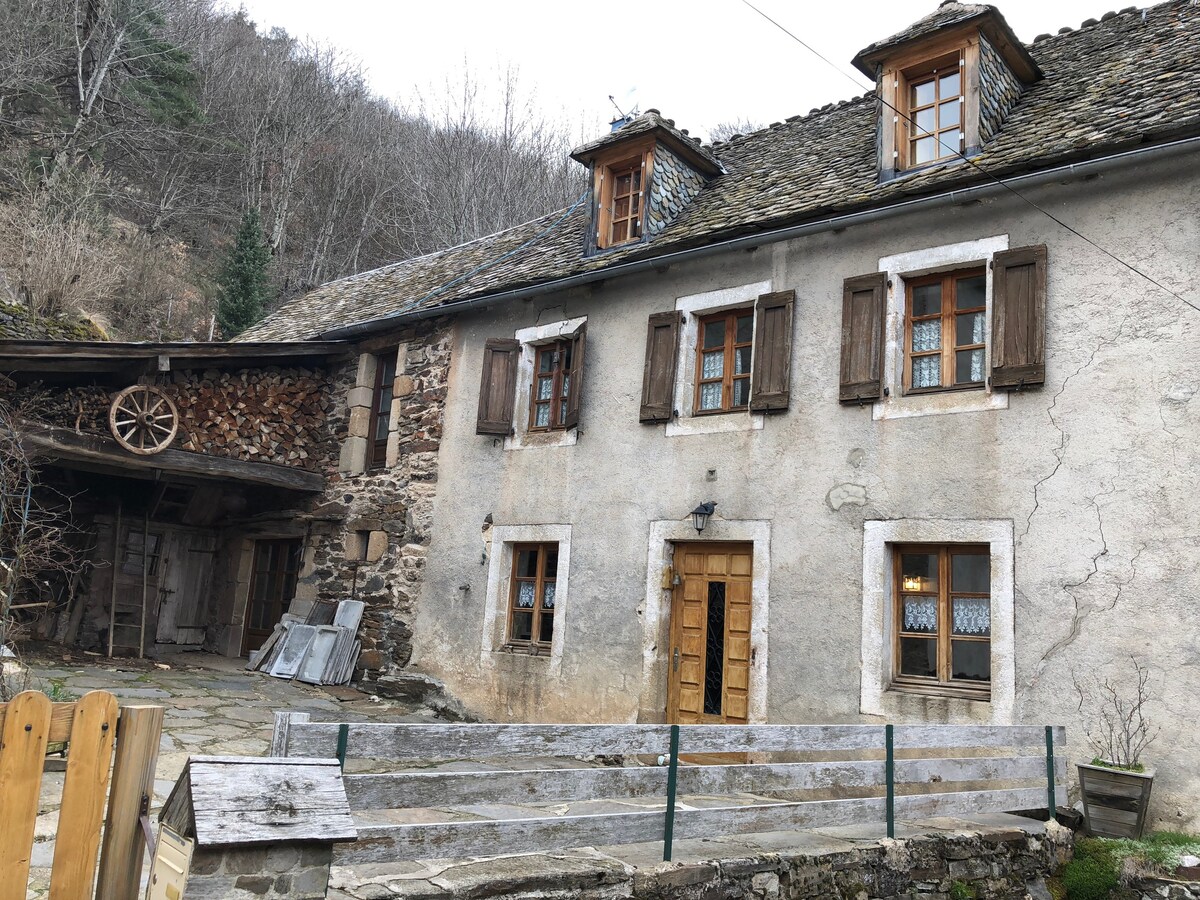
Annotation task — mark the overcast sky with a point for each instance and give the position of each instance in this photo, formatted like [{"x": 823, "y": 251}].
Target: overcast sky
[{"x": 701, "y": 62}]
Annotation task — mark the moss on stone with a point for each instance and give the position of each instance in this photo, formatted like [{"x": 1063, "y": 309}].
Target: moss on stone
[{"x": 18, "y": 323}]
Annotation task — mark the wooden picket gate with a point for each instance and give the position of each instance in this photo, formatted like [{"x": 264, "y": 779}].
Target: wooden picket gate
[{"x": 90, "y": 726}]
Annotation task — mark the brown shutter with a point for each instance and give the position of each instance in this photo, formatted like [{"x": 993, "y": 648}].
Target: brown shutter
[
  {"x": 1019, "y": 317},
  {"x": 498, "y": 389},
  {"x": 577, "y": 340},
  {"x": 772, "y": 367},
  {"x": 658, "y": 378},
  {"x": 862, "y": 337}
]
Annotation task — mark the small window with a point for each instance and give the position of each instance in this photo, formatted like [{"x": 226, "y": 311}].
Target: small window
[
  {"x": 944, "y": 324},
  {"x": 381, "y": 408},
  {"x": 550, "y": 392},
  {"x": 531, "y": 604},
  {"x": 943, "y": 628},
  {"x": 723, "y": 356},
  {"x": 620, "y": 190},
  {"x": 135, "y": 540}
]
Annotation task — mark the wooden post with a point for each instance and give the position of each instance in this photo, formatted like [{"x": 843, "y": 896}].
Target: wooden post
[
  {"x": 124, "y": 850},
  {"x": 672, "y": 779},
  {"x": 26, "y": 728},
  {"x": 283, "y": 723},
  {"x": 112, "y": 588},
  {"x": 145, "y": 581}
]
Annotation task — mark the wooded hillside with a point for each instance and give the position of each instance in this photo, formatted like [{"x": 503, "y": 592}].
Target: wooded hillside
[{"x": 136, "y": 135}]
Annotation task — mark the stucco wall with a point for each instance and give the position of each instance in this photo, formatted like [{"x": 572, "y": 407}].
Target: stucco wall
[{"x": 1095, "y": 472}]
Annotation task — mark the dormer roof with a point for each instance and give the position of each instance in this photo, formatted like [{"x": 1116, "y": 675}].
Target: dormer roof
[
  {"x": 651, "y": 125},
  {"x": 953, "y": 15}
]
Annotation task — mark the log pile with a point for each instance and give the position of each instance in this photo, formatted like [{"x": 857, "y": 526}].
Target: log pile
[
  {"x": 268, "y": 415},
  {"x": 275, "y": 415}
]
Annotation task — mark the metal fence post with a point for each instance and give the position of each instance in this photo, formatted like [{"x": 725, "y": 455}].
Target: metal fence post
[
  {"x": 672, "y": 776},
  {"x": 890, "y": 778},
  {"x": 1050, "y": 771},
  {"x": 343, "y": 738}
]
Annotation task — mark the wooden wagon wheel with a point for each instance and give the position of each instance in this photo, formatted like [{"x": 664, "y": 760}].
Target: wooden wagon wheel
[{"x": 143, "y": 419}]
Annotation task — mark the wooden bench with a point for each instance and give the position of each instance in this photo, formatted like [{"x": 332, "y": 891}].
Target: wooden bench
[{"x": 929, "y": 770}]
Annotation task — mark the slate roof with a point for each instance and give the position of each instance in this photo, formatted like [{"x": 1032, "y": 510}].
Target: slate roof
[
  {"x": 948, "y": 13},
  {"x": 1130, "y": 79}
]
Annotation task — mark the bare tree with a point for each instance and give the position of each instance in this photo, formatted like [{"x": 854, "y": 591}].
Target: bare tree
[
  {"x": 1120, "y": 730},
  {"x": 723, "y": 131}
]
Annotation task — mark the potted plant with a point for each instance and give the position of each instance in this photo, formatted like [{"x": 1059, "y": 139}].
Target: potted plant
[{"x": 1115, "y": 784}]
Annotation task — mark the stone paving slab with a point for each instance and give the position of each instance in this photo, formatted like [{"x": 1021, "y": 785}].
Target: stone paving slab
[{"x": 213, "y": 707}]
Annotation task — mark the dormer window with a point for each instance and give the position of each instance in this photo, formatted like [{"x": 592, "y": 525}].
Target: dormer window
[
  {"x": 643, "y": 175},
  {"x": 934, "y": 121},
  {"x": 621, "y": 199},
  {"x": 947, "y": 83}
]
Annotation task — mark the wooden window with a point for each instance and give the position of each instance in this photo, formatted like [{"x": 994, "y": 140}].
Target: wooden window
[
  {"x": 551, "y": 386},
  {"x": 861, "y": 374},
  {"x": 944, "y": 320},
  {"x": 772, "y": 352},
  {"x": 934, "y": 112},
  {"x": 135, "y": 542},
  {"x": 723, "y": 353},
  {"x": 942, "y": 615},
  {"x": 531, "y": 604},
  {"x": 381, "y": 407},
  {"x": 620, "y": 189}
]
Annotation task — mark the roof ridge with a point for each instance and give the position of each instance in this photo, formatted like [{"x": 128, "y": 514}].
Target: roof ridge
[
  {"x": 1090, "y": 23},
  {"x": 791, "y": 120}
]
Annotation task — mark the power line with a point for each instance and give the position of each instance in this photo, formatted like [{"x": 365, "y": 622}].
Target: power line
[{"x": 1000, "y": 181}]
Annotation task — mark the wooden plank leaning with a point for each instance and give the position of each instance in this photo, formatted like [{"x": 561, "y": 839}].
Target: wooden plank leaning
[
  {"x": 123, "y": 852},
  {"x": 22, "y": 751},
  {"x": 83, "y": 799}
]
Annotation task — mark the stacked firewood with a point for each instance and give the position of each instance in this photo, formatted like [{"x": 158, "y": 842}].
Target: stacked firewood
[
  {"x": 269, "y": 415},
  {"x": 83, "y": 408}
]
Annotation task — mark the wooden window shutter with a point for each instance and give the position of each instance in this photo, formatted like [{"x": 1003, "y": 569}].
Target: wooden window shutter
[
  {"x": 772, "y": 367},
  {"x": 577, "y": 342},
  {"x": 862, "y": 337},
  {"x": 498, "y": 388},
  {"x": 658, "y": 377},
  {"x": 1019, "y": 317}
]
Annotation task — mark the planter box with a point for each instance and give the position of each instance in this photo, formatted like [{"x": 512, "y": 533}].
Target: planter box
[{"x": 1114, "y": 801}]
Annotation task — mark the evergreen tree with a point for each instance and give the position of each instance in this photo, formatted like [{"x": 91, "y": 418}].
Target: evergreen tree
[{"x": 243, "y": 284}]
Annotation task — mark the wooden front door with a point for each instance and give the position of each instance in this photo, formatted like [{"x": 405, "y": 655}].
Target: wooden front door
[
  {"x": 185, "y": 586},
  {"x": 709, "y": 679},
  {"x": 272, "y": 587}
]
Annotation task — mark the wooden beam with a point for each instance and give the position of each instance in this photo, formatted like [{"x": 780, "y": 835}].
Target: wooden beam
[
  {"x": 105, "y": 356},
  {"x": 65, "y": 444}
]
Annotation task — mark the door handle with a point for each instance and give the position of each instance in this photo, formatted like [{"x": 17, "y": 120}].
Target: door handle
[{"x": 675, "y": 660}]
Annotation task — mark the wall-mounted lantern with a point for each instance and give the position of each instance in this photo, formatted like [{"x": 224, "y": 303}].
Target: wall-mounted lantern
[{"x": 701, "y": 513}]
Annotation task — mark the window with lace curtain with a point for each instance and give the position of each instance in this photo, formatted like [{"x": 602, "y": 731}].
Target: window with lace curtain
[
  {"x": 534, "y": 586},
  {"x": 945, "y": 329},
  {"x": 942, "y": 619}
]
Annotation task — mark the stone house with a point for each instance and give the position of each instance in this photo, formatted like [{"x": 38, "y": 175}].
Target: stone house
[{"x": 879, "y": 413}]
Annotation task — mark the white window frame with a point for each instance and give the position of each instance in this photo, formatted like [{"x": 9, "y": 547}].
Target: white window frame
[
  {"x": 895, "y": 404},
  {"x": 499, "y": 588},
  {"x": 876, "y": 695},
  {"x": 532, "y": 338},
  {"x": 694, "y": 308}
]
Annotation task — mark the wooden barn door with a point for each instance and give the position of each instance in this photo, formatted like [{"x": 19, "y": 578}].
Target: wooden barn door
[
  {"x": 185, "y": 586},
  {"x": 709, "y": 680},
  {"x": 272, "y": 587}
]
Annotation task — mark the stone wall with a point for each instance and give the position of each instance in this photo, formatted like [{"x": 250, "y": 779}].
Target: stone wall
[
  {"x": 1004, "y": 862},
  {"x": 999, "y": 89},
  {"x": 673, "y": 185},
  {"x": 388, "y": 509},
  {"x": 1148, "y": 888},
  {"x": 294, "y": 871}
]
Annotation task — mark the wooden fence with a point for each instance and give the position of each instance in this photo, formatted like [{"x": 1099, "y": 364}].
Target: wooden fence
[
  {"x": 883, "y": 772},
  {"x": 90, "y": 727}
]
